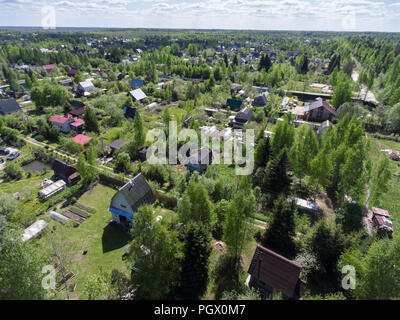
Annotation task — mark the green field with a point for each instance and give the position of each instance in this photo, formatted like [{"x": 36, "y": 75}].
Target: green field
[
  {"x": 104, "y": 241},
  {"x": 390, "y": 200}
]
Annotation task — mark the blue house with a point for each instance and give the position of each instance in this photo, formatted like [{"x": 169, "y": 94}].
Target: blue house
[
  {"x": 200, "y": 160},
  {"x": 129, "y": 112},
  {"x": 234, "y": 103},
  {"x": 129, "y": 198},
  {"x": 137, "y": 83}
]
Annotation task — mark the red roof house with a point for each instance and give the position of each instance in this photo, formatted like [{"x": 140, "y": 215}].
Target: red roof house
[
  {"x": 82, "y": 139},
  {"x": 77, "y": 125},
  {"x": 269, "y": 272},
  {"x": 63, "y": 123},
  {"x": 49, "y": 67}
]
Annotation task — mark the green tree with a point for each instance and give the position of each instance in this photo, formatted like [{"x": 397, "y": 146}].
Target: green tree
[
  {"x": 327, "y": 244},
  {"x": 20, "y": 266},
  {"x": 235, "y": 231},
  {"x": 262, "y": 153},
  {"x": 123, "y": 162},
  {"x": 196, "y": 206},
  {"x": 280, "y": 234},
  {"x": 276, "y": 179},
  {"x": 303, "y": 151},
  {"x": 197, "y": 250},
  {"x": 156, "y": 252},
  {"x": 342, "y": 90},
  {"x": 91, "y": 121}
]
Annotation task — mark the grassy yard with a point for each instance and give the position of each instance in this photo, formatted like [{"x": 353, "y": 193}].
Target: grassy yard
[
  {"x": 391, "y": 199},
  {"x": 104, "y": 241},
  {"x": 28, "y": 188}
]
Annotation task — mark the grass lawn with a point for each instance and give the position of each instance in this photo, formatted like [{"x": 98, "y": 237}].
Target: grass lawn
[
  {"x": 104, "y": 241},
  {"x": 390, "y": 200},
  {"x": 28, "y": 188}
]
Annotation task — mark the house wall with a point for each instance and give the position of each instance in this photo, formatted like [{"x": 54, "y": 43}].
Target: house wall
[
  {"x": 65, "y": 127},
  {"x": 317, "y": 116},
  {"x": 119, "y": 202}
]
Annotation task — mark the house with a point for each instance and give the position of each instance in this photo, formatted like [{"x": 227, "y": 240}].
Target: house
[
  {"x": 234, "y": 103},
  {"x": 136, "y": 83},
  {"x": 143, "y": 153},
  {"x": 242, "y": 117},
  {"x": 52, "y": 189},
  {"x": 137, "y": 94},
  {"x": 77, "y": 125},
  {"x": 319, "y": 111},
  {"x": 125, "y": 203},
  {"x": 85, "y": 87},
  {"x": 117, "y": 144},
  {"x": 130, "y": 112},
  {"x": 82, "y": 139},
  {"x": 381, "y": 221},
  {"x": 9, "y": 106},
  {"x": 76, "y": 104},
  {"x": 64, "y": 171},
  {"x": 200, "y": 160},
  {"x": 210, "y": 111},
  {"x": 260, "y": 100},
  {"x": 63, "y": 123},
  {"x": 77, "y": 112},
  {"x": 49, "y": 68},
  {"x": 66, "y": 83},
  {"x": 72, "y": 73},
  {"x": 270, "y": 272}
]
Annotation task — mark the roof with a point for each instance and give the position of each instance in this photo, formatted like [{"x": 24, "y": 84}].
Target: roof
[
  {"x": 76, "y": 104},
  {"x": 137, "y": 94},
  {"x": 77, "y": 112},
  {"x": 86, "y": 85},
  {"x": 52, "y": 188},
  {"x": 136, "y": 83},
  {"x": 260, "y": 100},
  {"x": 234, "y": 102},
  {"x": 77, "y": 123},
  {"x": 137, "y": 192},
  {"x": 72, "y": 72},
  {"x": 383, "y": 221},
  {"x": 275, "y": 270},
  {"x": 380, "y": 212},
  {"x": 59, "y": 119},
  {"x": 321, "y": 103},
  {"x": 49, "y": 67},
  {"x": 117, "y": 144},
  {"x": 9, "y": 106},
  {"x": 61, "y": 168},
  {"x": 305, "y": 204},
  {"x": 244, "y": 115},
  {"x": 82, "y": 139},
  {"x": 33, "y": 230}
]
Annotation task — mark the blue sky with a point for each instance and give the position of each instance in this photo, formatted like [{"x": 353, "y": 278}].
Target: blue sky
[{"x": 340, "y": 15}]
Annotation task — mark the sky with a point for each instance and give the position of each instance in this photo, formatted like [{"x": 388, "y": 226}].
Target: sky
[{"x": 318, "y": 15}]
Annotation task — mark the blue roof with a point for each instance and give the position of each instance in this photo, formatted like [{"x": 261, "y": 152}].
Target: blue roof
[
  {"x": 121, "y": 213},
  {"x": 234, "y": 102},
  {"x": 136, "y": 83}
]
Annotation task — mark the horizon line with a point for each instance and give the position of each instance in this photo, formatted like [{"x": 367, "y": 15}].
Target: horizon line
[{"x": 195, "y": 29}]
